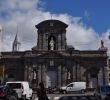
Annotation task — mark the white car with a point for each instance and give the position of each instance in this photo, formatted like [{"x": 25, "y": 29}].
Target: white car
[
  {"x": 74, "y": 87},
  {"x": 22, "y": 89}
]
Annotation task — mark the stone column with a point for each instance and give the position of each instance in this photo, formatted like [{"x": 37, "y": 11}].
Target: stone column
[
  {"x": 25, "y": 73},
  {"x": 39, "y": 73},
  {"x": 45, "y": 46},
  {"x": 106, "y": 74},
  {"x": 74, "y": 78},
  {"x": 63, "y": 42},
  {"x": 78, "y": 72},
  {"x": 100, "y": 77},
  {"x": 46, "y": 77},
  {"x": 103, "y": 72},
  {"x": 64, "y": 76},
  {"x": 59, "y": 41},
  {"x": 44, "y": 74},
  {"x": 40, "y": 41},
  {"x": 59, "y": 76}
]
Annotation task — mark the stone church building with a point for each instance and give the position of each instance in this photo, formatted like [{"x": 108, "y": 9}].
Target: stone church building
[{"x": 53, "y": 61}]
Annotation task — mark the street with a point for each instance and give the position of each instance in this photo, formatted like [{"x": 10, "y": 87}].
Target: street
[{"x": 57, "y": 96}]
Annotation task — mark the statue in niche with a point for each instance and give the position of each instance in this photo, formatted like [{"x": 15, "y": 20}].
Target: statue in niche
[
  {"x": 69, "y": 75},
  {"x": 34, "y": 75},
  {"x": 52, "y": 44}
]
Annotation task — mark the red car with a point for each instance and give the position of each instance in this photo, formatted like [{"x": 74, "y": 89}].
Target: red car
[{"x": 7, "y": 94}]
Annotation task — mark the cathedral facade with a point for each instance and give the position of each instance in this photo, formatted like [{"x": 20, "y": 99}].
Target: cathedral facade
[{"x": 53, "y": 61}]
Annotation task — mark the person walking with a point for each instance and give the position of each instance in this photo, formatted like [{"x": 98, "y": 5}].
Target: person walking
[{"x": 41, "y": 93}]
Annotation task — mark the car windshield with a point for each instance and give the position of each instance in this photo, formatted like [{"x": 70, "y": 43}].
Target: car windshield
[{"x": 14, "y": 85}]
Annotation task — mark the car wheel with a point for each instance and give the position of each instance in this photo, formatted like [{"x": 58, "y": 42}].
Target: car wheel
[
  {"x": 30, "y": 98},
  {"x": 82, "y": 91},
  {"x": 64, "y": 92},
  {"x": 24, "y": 97}
]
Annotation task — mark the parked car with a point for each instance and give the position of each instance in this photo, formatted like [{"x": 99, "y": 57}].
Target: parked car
[
  {"x": 74, "y": 87},
  {"x": 102, "y": 91},
  {"x": 22, "y": 89},
  {"x": 7, "y": 94}
]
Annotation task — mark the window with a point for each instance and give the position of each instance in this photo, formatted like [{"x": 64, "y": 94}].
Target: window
[
  {"x": 51, "y": 24},
  {"x": 71, "y": 85},
  {"x": 14, "y": 85},
  {"x": 51, "y": 63}
]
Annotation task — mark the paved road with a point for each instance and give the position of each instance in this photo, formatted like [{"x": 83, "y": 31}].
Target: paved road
[{"x": 57, "y": 96}]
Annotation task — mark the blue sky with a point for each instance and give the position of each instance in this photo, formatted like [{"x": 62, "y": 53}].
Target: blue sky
[
  {"x": 95, "y": 13},
  {"x": 88, "y": 20}
]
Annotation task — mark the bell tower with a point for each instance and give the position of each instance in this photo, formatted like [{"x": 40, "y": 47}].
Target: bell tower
[
  {"x": 16, "y": 43},
  {"x": 51, "y": 35}
]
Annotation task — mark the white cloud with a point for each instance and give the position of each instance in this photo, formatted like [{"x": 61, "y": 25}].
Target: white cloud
[
  {"x": 21, "y": 5},
  {"x": 106, "y": 38},
  {"x": 82, "y": 37},
  {"x": 26, "y": 14}
]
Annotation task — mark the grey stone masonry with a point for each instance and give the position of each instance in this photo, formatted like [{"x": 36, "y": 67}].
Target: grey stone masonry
[
  {"x": 59, "y": 41},
  {"x": 59, "y": 76},
  {"x": 63, "y": 42}
]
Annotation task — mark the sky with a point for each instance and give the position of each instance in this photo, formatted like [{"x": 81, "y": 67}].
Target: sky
[{"x": 88, "y": 20}]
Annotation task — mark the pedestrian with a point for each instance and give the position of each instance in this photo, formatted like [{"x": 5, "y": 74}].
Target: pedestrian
[{"x": 41, "y": 93}]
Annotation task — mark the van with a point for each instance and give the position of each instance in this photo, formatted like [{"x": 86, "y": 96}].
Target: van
[
  {"x": 22, "y": 89},
  {"x": 74, "y": 87}
]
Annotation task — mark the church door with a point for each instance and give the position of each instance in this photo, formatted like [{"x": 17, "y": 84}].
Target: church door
[{"x": 51, "y": 78}]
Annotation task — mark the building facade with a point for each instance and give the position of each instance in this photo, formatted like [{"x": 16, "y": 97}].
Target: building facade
[{"x": 54, "y": 62}]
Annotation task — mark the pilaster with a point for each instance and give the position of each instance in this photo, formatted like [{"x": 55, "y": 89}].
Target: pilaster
[
  {"x": 100, "y": 77},
  {"x": 59, "y": 76},
  {"x": 59, "y": 41},
  {"x": 64, "y": 76}
]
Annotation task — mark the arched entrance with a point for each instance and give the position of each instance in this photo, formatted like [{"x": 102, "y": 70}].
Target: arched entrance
[
  {"x": 52, "y": 77},
  {"x": 92, "y": 78}
]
